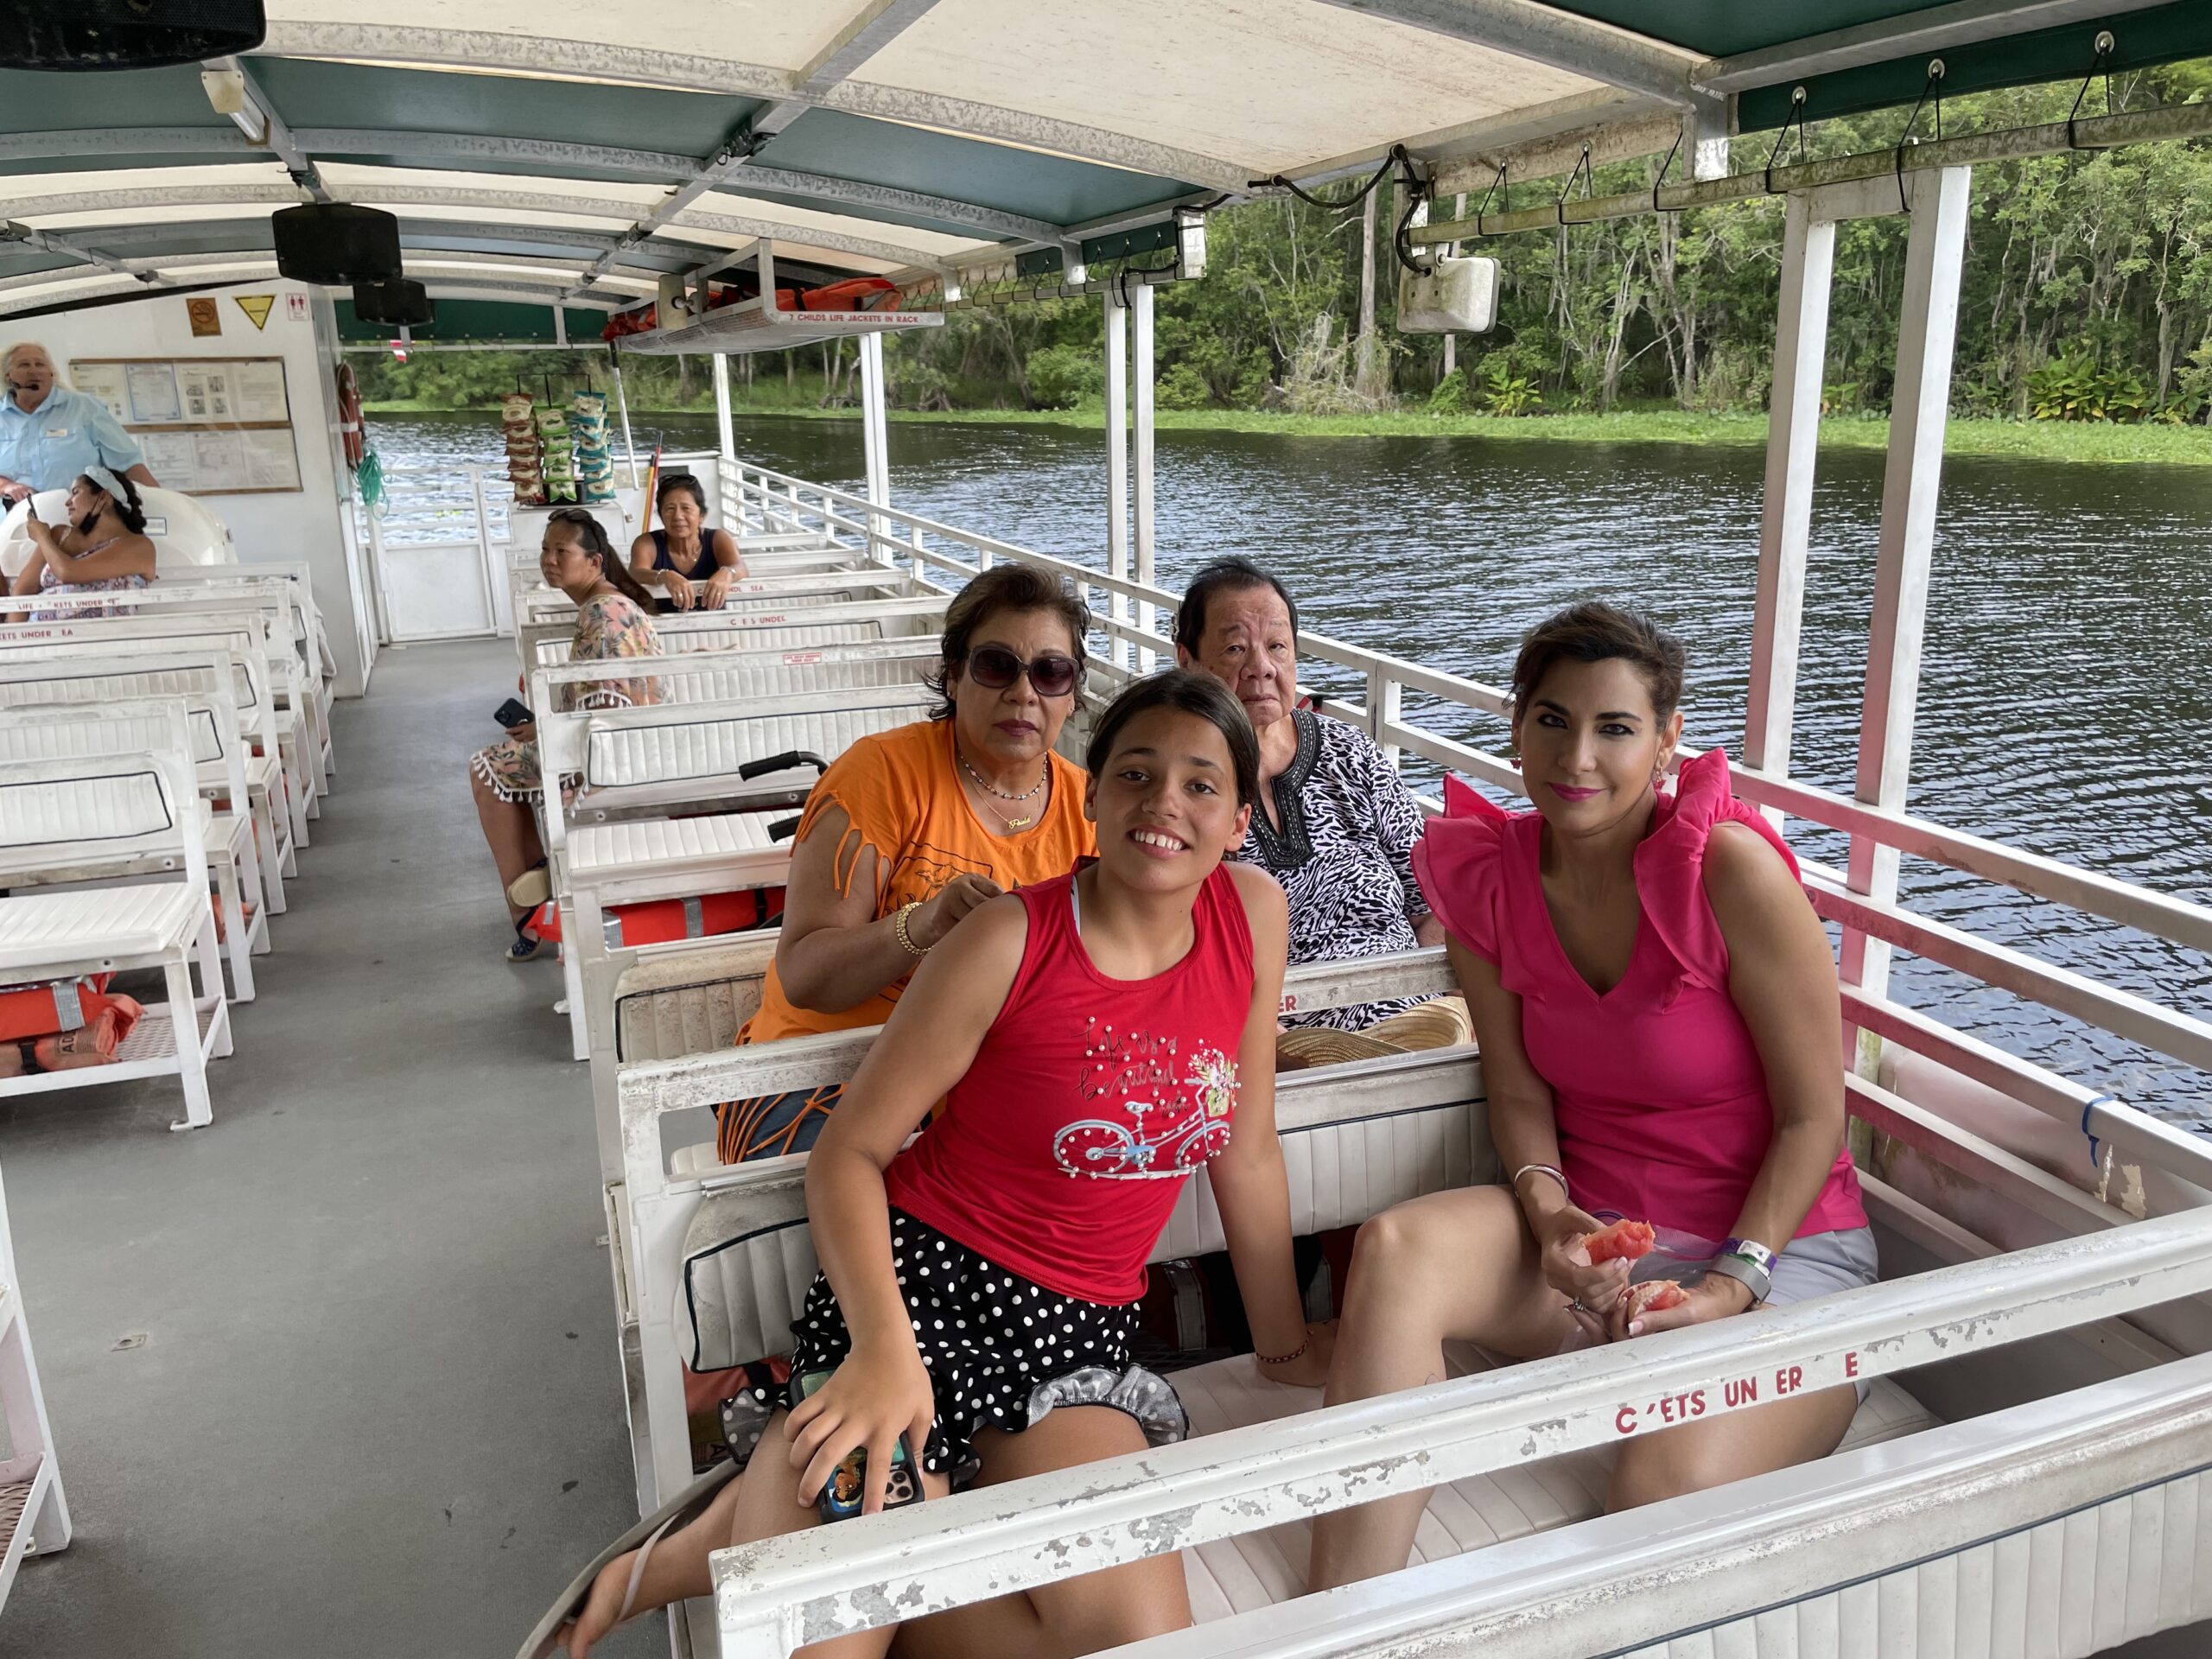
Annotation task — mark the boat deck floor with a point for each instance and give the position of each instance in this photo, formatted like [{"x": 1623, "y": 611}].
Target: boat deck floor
[{"x": 338, "y": 1373}]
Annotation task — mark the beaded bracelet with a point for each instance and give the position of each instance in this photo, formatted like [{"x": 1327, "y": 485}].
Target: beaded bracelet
[
  {"x": 1297, "y": 1352},
  {"x": 899, "y": 929}
]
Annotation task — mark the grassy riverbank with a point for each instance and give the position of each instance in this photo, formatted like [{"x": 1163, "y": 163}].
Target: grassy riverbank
[{"x": 2069, "y": 441}]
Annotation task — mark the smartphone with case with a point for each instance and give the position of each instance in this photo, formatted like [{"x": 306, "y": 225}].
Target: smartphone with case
[
  {"x": 513, "y": 713},
  {"x": 842, "y": 1494}
]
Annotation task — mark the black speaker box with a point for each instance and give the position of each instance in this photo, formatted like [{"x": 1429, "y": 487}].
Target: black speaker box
[
  {"x": 129, "y": 34},
  {"x": 399, "y": 303},
  {"x": 334, "y": 244}
]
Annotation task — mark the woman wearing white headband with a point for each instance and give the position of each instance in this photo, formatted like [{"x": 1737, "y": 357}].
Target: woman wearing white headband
[{"x": 102, "y": 549}]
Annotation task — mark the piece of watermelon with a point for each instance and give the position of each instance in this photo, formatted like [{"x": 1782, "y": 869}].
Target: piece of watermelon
[
  {"x": 1624, "y": 1241},
  {"x": 1653, "y": 1295}
]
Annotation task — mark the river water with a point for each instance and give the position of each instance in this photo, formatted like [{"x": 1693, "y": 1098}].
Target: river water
[{"x": 2066, "y": 698}]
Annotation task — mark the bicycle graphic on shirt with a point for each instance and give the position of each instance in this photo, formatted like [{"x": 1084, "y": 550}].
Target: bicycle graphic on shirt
[{"x": 1110, "y": 1151}]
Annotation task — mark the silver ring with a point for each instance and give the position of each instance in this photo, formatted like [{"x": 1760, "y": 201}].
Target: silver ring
[{"x": 1575, "y": 1306}]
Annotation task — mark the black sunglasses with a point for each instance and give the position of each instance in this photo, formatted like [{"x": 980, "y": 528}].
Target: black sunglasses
[{"x": 995, "y": 668}]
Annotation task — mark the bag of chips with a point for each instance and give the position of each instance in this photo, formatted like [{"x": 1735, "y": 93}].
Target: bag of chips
[
  {"x": 515, "y": 407},
  {"x": 552, "y": 424},
  {"x": 592, "y": 403}
]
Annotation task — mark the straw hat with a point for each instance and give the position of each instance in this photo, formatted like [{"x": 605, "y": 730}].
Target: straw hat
[{"x": 1441, "y": 1022}]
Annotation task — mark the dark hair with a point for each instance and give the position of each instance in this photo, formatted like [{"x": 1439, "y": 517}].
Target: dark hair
[
  {"x": 1224, "y": 576},
  {"x": 128, "y": 507},
  {"x": 1188, "y": 692},
  {"x": 1594, "y": 631},
  {"x": 1011, "y": 587},
  {"x": 671, "y": 482},
  {"x": 593, "y": 535}
]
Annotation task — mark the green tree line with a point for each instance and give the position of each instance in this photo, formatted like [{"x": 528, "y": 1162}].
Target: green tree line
[{"x": 2087, "y": 294}]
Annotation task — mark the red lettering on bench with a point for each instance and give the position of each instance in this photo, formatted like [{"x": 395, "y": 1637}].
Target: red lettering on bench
[
  {"x": 1743, "y": 1390},
  {"x": 1625, "y": 1420}
]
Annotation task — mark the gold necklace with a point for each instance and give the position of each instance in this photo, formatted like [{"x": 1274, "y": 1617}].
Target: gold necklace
[{"x": 1010, "y": 822}]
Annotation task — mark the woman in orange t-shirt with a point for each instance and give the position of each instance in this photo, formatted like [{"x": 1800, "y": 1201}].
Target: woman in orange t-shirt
[{"x": 910, "y": 830}]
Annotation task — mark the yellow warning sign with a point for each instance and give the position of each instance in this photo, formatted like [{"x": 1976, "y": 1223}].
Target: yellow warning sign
[{"x": 256, "y": 306}]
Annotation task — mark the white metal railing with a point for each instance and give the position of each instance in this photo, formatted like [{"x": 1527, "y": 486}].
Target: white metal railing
[
  {"x": 770, "y": 498},
  {"x": 781, "y": 1593}
]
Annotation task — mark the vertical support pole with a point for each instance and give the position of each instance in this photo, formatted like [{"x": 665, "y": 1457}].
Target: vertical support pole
[
  {"x": 1142, "y": 371},
  {"x": 560, "y": 326},
  {"x": 726, "y": 436},
  {"x": 629, "y": 448},
  {"x": 875, "y": 441},
  {"x": 1117, "y": 464},
  {"x": 1785, "y": 523},
  {"x": 490, "y": 571},
  {"x": 1452, "y": 251},
  {"x": 1927, "y": 333},
  {"x": 376, "y": 576}
]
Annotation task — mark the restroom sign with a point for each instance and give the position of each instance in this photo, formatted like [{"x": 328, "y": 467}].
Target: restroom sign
[{"x": 296, "y": 308}]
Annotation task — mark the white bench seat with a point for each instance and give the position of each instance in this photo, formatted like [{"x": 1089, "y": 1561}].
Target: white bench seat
[
  {"x": 1236, "y": 1575},
  {"x": 690, "y": 1002},
  {"x": 668, "y": 843},
  {"x": 38, "y": 928}
]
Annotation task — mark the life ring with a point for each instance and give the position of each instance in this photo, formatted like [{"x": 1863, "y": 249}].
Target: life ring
[{"x": 349, "y": 417}]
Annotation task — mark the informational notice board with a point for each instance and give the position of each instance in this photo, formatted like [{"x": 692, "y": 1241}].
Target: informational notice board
[{"x": 209, "y": 425}]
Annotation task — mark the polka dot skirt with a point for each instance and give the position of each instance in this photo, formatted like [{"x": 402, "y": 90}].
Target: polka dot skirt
[{"x": 994, "y": 1343}]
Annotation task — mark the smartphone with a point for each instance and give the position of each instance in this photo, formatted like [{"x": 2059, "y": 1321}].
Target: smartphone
[
  {"x": 842, "y": 1494},
  {"x": 513, "y": 713}
]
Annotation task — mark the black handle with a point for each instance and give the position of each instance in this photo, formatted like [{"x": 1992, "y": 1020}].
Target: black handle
[
  {"x": 783, "y": 829},
  {"x": 782, "y": 762}
]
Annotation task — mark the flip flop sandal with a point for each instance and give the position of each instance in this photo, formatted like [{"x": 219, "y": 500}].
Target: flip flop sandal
[
  {"x": 531, "y": 889},
  {"x": 544, "y": 1641},
  {"x": 527, "y": 946}
]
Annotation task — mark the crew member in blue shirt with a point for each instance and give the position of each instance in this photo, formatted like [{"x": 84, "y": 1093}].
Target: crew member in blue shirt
[{"x": 49, "y": 434}]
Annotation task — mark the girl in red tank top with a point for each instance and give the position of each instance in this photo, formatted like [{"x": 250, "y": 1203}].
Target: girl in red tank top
[{"x": 1096, "y": 1039}]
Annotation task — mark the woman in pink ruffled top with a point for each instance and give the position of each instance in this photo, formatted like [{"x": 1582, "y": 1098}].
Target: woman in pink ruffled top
[{"x": 1660, "y": 1037}]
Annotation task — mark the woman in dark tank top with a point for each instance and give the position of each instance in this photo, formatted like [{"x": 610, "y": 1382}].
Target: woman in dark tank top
[{"x": 668, "y": 560}]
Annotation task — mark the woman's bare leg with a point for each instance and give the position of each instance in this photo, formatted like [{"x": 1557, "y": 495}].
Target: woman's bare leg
[
  {"x": 1400, "y": 1309},
  {"x": 762, "y": 1503},
  {"x": 1696, "y": 1456},
  {"x": 1076, "y": 1616},
  {"x": 511, "y": 831}
]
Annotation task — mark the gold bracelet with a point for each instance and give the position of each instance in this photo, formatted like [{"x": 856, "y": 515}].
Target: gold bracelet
[
  {"x": 1552, "y": 1170},
  {"x": 899, "y": 928}
]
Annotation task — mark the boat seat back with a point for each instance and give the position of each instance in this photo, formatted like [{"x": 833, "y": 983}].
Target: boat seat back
[
  {"x": 133, "y": 723},
  {"x": 750, "y": 678},
  {"x": 715, "y": 746},
  {"x": 1355, "y": 1139},
  {"x": 82, "y": 675},
  {"x": 240, "y": 630},
  {"x": 732, "y": 636},
  {"x": 117, "y": 805},
  {"x": 690, "y": 1002}
]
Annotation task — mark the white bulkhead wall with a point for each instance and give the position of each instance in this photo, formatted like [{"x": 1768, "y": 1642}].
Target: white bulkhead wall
[{"x": 315, "y": 523}]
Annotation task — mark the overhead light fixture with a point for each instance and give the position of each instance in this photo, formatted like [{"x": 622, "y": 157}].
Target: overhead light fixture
[{"x": 96, "y": 34}]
